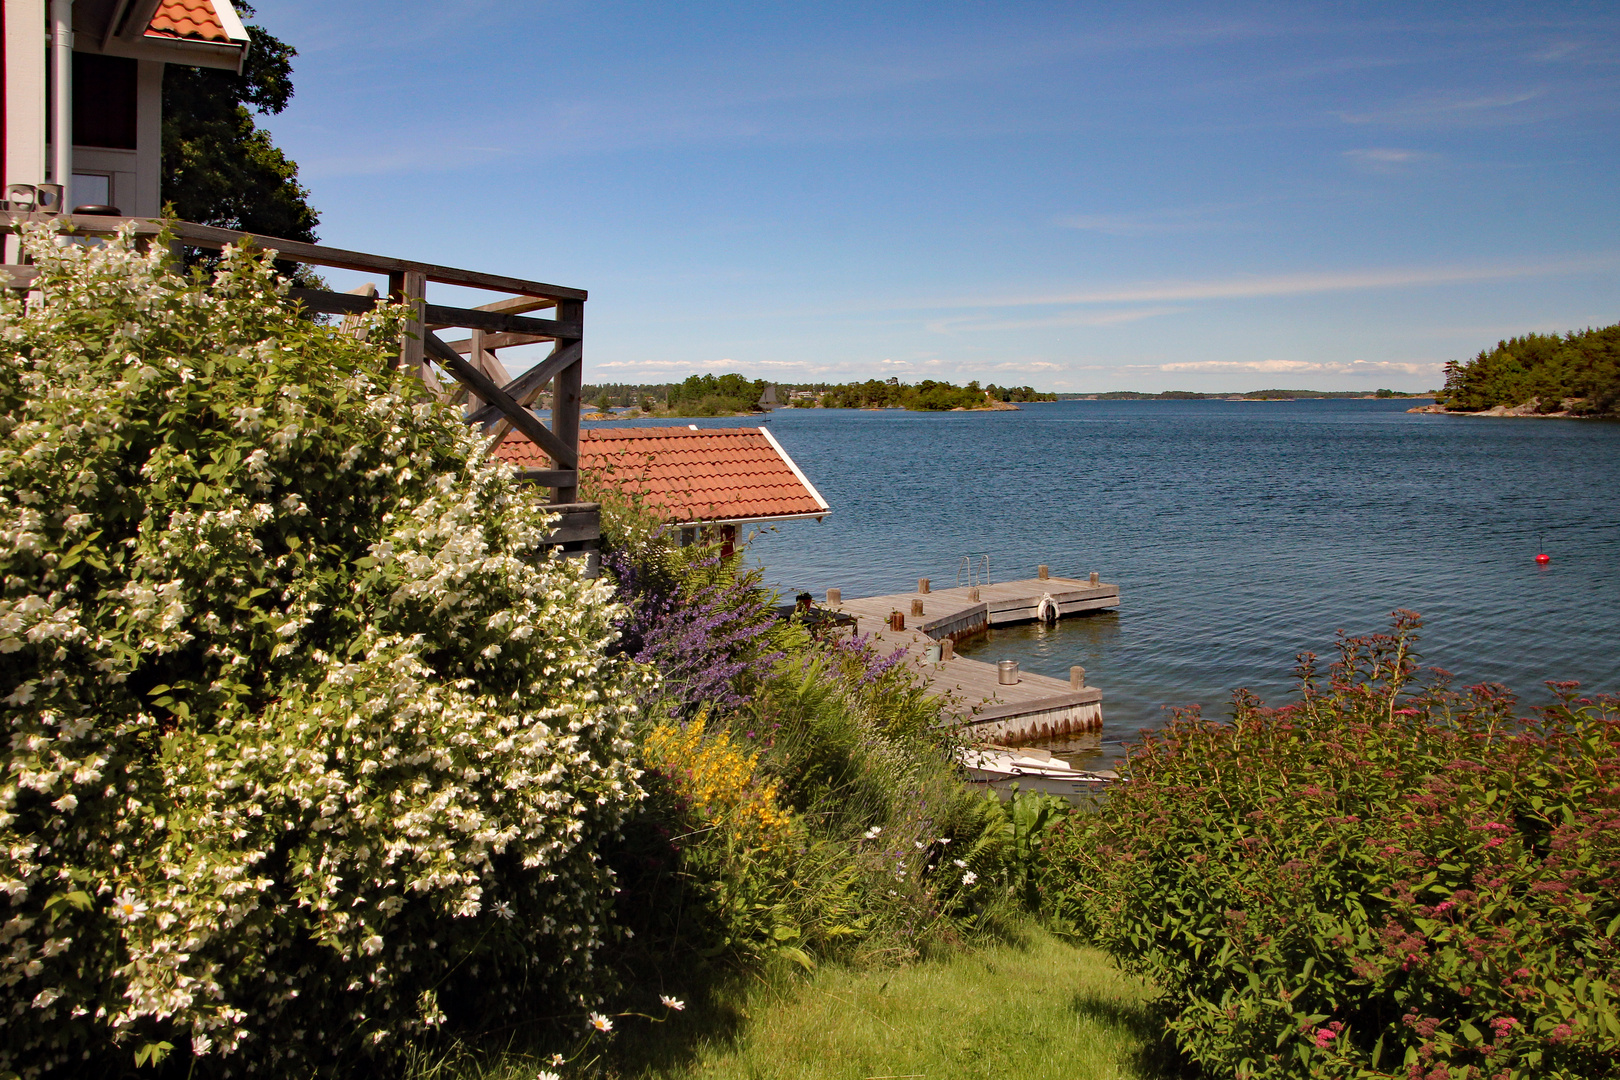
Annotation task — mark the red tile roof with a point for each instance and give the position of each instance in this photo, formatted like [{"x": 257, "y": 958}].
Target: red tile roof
[
  {"x": 194, "y": 20},
  {"x": 712, "y": 474}
]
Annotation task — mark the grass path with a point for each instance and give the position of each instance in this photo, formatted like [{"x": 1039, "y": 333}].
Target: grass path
[{"x": 1037, "y": 1010}]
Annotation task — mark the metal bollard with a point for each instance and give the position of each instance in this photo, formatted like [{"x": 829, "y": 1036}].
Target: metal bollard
[
  {"x": 1007, "y": 672},
  {"x": 1077, "y": 677},
  {"x": 934, "y": 653}
]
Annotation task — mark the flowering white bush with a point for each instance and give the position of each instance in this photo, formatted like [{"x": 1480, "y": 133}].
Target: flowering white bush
[{"x": 308, "y": 742}]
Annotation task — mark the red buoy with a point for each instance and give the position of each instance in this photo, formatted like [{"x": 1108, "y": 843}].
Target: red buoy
[{"x": 1544, "y": 558}]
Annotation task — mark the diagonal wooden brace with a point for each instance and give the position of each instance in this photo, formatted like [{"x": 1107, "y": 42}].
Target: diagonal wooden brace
[
  {"x": 531, "y": 382},
  {"x": 566, "y": 457}
]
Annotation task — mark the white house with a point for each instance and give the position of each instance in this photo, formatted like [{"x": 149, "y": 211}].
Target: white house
[{"x": 83, "y": 82}]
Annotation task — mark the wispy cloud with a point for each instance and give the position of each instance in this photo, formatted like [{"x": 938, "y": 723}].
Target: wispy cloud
[
  {"x": 1303, "y": 367},
  {"x": 1297, "y": 284},
  {"x": 1387, "y": 159},
  {"x": 1443, "y": 108},
  {"x": 1149, "y": 223},
  {"x": 970, "y": 324}
]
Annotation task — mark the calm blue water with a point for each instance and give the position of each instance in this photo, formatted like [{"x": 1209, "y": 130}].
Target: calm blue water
[{"x": 1239, "y": 534}]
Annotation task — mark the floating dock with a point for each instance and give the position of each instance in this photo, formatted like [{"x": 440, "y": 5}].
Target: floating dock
[{"x": 1034, "y": 707}]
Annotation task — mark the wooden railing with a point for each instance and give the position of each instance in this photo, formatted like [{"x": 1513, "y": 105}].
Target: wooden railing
[{"x": 491, "y": 399}]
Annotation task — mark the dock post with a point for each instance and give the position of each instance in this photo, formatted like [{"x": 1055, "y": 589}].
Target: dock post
[
  {"x": 973, "y": 594},
  {"x": 1077, "y": 678},
  {"x": 922, "y": 584},
  {"x": 1042, "y": 572},
  {"x": 916, "y": 607},
  {"x": 948, "y": 647},
  {"x": 1095, "y": 579},
  {"x": 897, "y": 621},
  {"x": 835, "y": 597},
  {"x": 1007, "y": 672}
]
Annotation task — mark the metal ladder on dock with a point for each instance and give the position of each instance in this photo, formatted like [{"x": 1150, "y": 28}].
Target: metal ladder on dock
[{"x": 974, "y": 570}]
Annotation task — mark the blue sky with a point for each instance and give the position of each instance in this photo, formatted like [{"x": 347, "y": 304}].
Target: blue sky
[{"x": 1075, "y": 196}]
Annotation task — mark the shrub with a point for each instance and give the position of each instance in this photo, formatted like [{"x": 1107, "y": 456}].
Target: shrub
[
  {"x": 1382, "y": 879},
  {"x": 308, "y": 741}
]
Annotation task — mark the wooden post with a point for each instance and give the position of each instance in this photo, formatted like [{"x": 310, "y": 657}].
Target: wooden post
[
  {"x": 948, "y": 648},
  {"x": 475, "y": 356},
  {"x": 565, "y": 400},
  {"x": 922, "y": 584},
  {"x": 916, "y": 607},
  {"x": 835, "y": 597},
  {"x": 897, "y": 621},
  {"x": 1041, "y": 572},
  {"x": 1094, "y": 577},
  {"x": 973, "y": 594},
  {"x": 411, "y": 285},
  {"x": 1077, "y": 677}
]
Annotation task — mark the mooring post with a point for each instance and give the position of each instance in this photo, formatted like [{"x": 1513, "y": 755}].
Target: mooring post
[
  {"x": 916, "y": 607},
  {"x": 948, "y": 647},
  {"x": 835, "y": 597},
  {"x": 922, "y": 584},
  {"x": 1077, "y": 677},
  {"x": 1094, "y": 578},
  {"x": 973, "y": 594},
  {"x": 1042, "y": 572},
  {"x": 897, "y": 621}
]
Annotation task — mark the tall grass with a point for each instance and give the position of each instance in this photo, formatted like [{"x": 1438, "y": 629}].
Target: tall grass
[{"x": 1034, "y": 1008}]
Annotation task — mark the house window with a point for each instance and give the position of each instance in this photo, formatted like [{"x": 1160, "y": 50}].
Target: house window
[
  {"x": 90, "y": 189},
  {"x": 104, "y": 101}
]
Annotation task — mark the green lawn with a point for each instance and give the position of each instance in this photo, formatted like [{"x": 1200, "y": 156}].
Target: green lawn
[{"x": 1039, "y": 1009}]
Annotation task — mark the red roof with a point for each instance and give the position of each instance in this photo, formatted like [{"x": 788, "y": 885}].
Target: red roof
[
  {"x": 194, "y": 20},
  {"x": 711, "y": 474}
]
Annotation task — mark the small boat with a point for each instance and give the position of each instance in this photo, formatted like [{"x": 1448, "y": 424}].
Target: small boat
[{"x": 1003, "y": 768}]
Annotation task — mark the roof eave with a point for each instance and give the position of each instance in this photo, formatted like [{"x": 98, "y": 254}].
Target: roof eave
[{"x": 170, "y": 50}]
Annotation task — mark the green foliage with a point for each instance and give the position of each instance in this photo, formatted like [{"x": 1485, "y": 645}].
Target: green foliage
[
  {"x": 1382, "y": 880},
  {"x": 1580, "y": 367},
  {"x": 708, "y": 395},
  {"x": 219, "y": 167},
  {"x": 926, "y": 396},
  {"x": 309, "y": 746}
]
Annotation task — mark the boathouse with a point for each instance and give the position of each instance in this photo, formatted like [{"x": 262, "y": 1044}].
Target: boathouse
[{"x": 705, "y": 480}]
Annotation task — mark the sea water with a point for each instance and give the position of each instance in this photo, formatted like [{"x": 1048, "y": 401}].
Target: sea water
[{"x": 1239, "y": 533}]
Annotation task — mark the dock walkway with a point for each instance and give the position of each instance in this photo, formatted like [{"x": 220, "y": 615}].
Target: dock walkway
[{"x": 1036, "y": 706}]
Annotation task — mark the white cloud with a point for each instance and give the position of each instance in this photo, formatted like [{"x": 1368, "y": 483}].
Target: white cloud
[{"x": 969, "y": 324}]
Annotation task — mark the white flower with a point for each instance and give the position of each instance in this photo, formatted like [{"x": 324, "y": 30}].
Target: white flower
[
  {"x": 504, "y": 910},
  {"x": 871, "y": 834},
  {"x": 960, "y": 862},
  {"x": 969, "y": 878},
  {"x": 944, "y": 840},
  {"x": 600, "y": 1022},
  {"x": 128, "y": 907},
  {"x": 556, "y": 1059},
  {"x": 547, "y": 1074},
  {"x": 372, "y": 945},
  {"x": 200, "y": 1044},
  {"x": 66, "y": 802},
  {"x": 672, "y": 1003},
  {"x": 920, "y": 844}
]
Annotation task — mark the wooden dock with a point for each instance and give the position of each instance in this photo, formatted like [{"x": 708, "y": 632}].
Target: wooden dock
[{"x": 1036, "y": 706}]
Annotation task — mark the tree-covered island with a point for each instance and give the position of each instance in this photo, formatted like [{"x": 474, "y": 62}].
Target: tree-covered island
[{"x": 1575, "y": 374}]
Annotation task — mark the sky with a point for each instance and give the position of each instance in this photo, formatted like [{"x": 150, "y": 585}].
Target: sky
[{"x": 1080, "y": 197}]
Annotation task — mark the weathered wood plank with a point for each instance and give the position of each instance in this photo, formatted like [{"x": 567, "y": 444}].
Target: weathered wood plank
[
  {"x": 565, "y": 454},
  {"x": 441, "y": 316},
  {"x": 549, "y": 477},
  {"x": 524, "y": 388},
  {"x": 566, "y": 398},
  {"x": 494, "y": 341}
]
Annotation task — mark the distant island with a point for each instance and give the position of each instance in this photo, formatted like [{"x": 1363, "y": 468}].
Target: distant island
[
  {"x": 1574, "y": 374},
  {"x": 734, "y": 395},
  {"x": 1252, "y": 395}
]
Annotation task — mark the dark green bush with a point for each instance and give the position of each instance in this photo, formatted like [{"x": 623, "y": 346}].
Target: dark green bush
[{"x": 1381, "y": 879}]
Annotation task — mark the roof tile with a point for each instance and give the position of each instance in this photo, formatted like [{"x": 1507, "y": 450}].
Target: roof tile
[
  {"x": 711, "y": 474},
  {"x": 195, "y": 20}
]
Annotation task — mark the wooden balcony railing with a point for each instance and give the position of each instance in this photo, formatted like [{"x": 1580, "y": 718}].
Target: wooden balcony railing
[{"x": 489, "y": 398}]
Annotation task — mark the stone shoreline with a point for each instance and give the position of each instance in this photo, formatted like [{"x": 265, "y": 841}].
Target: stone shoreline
[{"x": 1529, "y": 410}]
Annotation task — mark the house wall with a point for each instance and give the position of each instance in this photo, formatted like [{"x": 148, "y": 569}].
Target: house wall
[{"x": 26, "y": 89}]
